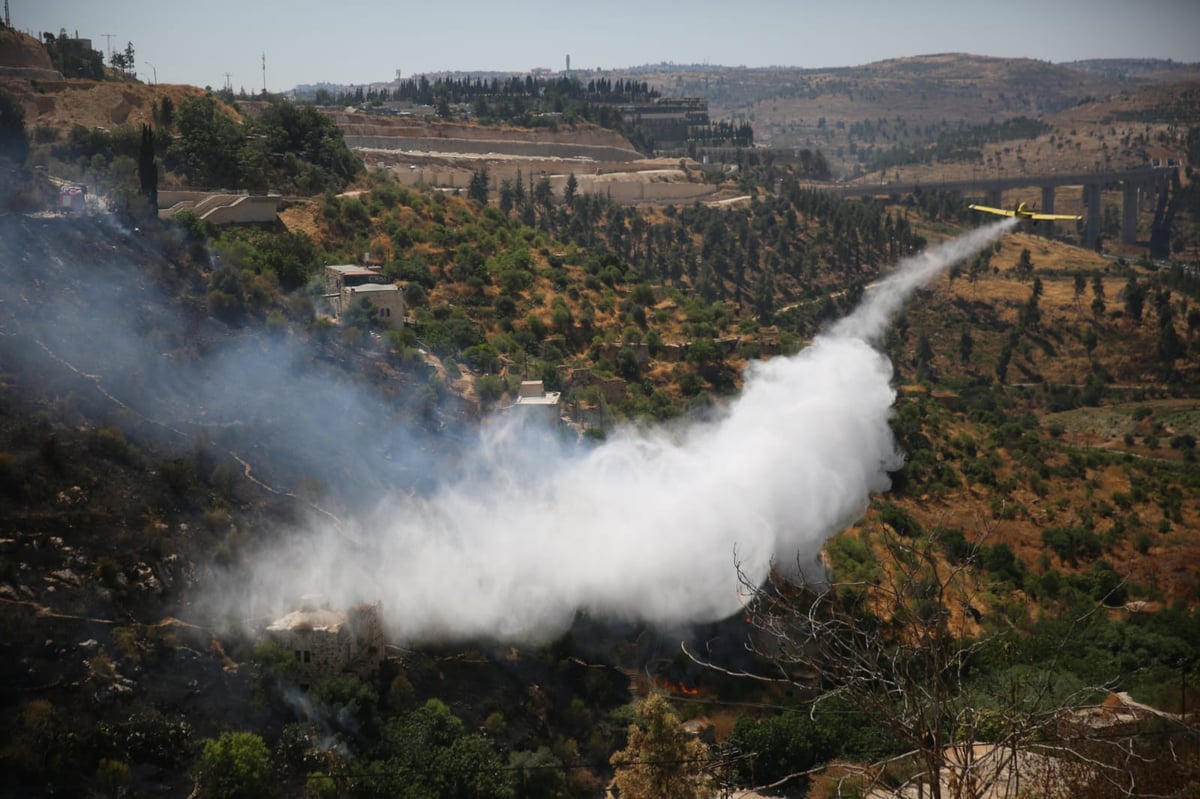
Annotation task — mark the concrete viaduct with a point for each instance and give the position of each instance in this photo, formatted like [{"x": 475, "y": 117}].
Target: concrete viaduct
[{"x": 1141, "y": 185}]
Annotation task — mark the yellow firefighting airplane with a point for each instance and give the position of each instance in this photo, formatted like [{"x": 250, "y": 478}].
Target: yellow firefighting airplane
[{"x": 1022, "y": 212}]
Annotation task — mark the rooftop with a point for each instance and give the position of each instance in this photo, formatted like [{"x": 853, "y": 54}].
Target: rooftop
[
  {"x": 351, "y": 269},
  {"x": 373, "y": 287},
  {"x": 321, "y": 619},
  {"x": 533, "y": 392}
]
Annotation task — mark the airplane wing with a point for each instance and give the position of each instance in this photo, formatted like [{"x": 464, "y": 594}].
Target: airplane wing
[
  {"x": 989, "y": 210},
  {"x": 1063, "y": 217}
]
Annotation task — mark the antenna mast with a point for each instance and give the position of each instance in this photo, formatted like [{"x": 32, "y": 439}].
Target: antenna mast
[
  {"x": 7, "y": 20},
  {"x": 107, "y": 39},
  {"x": 264, "y": 60}
]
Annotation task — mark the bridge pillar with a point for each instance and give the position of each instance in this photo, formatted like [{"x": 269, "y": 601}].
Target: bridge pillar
[
  {"x": 1129, "y": 209},
  {"x": 1091, "y": 199},
  {"x": 1047, "y": 199}
]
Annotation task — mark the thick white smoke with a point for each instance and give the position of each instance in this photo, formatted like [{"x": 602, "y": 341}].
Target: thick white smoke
[{"x": 647, "y": 526}]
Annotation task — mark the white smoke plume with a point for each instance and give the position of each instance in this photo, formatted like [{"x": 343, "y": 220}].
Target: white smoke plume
[{"x": 647, "y": 526}]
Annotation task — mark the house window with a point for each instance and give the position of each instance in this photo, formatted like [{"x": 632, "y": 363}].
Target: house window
[
  {"x": 297, "y": 654},
  {"x": 307, "y": 656}
]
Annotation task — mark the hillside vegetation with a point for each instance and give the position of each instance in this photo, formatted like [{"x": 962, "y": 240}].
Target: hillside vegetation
[{"x": 177, "y": 397}]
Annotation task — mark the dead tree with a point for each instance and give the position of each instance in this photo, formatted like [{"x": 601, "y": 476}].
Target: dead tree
[{"x": 902, "y": 648}]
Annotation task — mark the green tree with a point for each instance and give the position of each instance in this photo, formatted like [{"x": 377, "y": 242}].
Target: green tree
[
  {"x": 290, "y": 256},
  {"x": 148, "y": 168},
  {"x": 428, "y": 755},
  {"x": 764, "y": 297},
  {"x": 1005, "y": 358},
  {"x": 1134, "y": 295},
  {"x": 14, "y": 141},
  {"x": 204, "y": 151},
  {"x": 477, "y": 190},
  {"x": 924, "y": 357},
  {"x": 661, "y": 760},
  {"x": 1170, "y": 347},
  {"x": 572, "y": 188},
  {"x": 627, "y": 364},
  {"x": 315, "y": 157},
  {"x": 361, "y": 315},
  {"x": 508, "y": 195},
  {"x": 704, "y": 352},
  {"x": 538, "y": 774},
  {"x": 543, "y": 196},
  {"x": 1024, "y": 265},
  {"x": 236, "y": 766},
  {"x": 166, "y": 113}
]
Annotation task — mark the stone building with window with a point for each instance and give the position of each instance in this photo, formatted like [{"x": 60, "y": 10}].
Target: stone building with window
[
  {"x": 347, "y": 283},
  {"x": 326, "y": 643}
]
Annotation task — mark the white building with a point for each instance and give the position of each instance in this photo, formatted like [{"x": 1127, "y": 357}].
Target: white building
[
  {"x": 345, "y": 283},
  {"x": 534, "y": 398}
]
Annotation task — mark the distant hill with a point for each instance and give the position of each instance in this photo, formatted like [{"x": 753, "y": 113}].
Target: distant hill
[
  {"x": 1136, "y": 68},
  {"x": 854, "y": 113}
]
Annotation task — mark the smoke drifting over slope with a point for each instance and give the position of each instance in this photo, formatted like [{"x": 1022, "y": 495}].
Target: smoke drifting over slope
[
  {"x": 649, "y": 525},
  {"x": 506, "y": 541}
]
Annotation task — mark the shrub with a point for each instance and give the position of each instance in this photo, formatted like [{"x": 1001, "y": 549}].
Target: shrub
[
  {"x": 177, "y": 474},
  {"x": 1001, "y": 561},
  {"x": 1072, "y": 543},
  {"x": 852, "y": 557},
  {"x": 899, "y": 520},
  {"x": 110, "y": 443},
  {"x": 954, "y": 544},
  {"x": 1183, "y": 442}
]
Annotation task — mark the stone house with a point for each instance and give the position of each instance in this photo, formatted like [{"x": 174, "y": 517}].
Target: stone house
[
  {"x": 326, "y": 643},
  {"x": 345, "y": 283}
]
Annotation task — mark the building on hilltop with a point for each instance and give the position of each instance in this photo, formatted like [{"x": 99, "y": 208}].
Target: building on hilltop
[
  {"x": 667, "y": 121},
  {"x": 326, "y": 643}
]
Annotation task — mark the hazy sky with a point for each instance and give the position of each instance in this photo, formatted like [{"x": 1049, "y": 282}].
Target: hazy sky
[{"x": 361, "y": 41}]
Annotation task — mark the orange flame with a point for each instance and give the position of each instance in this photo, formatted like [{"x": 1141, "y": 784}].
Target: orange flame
[{"x": 680, "y": 688}]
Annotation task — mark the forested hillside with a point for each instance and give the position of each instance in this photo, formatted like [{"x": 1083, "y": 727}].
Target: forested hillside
[{"x": 184, "y": 415}]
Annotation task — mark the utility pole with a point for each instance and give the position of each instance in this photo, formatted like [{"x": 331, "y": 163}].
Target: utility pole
[
  {"x": 264, "y": 60},
  {"x": 228, "y": 82},
  {"x": 7, "y": 19},
  {"x": 107, "y": 39}
]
